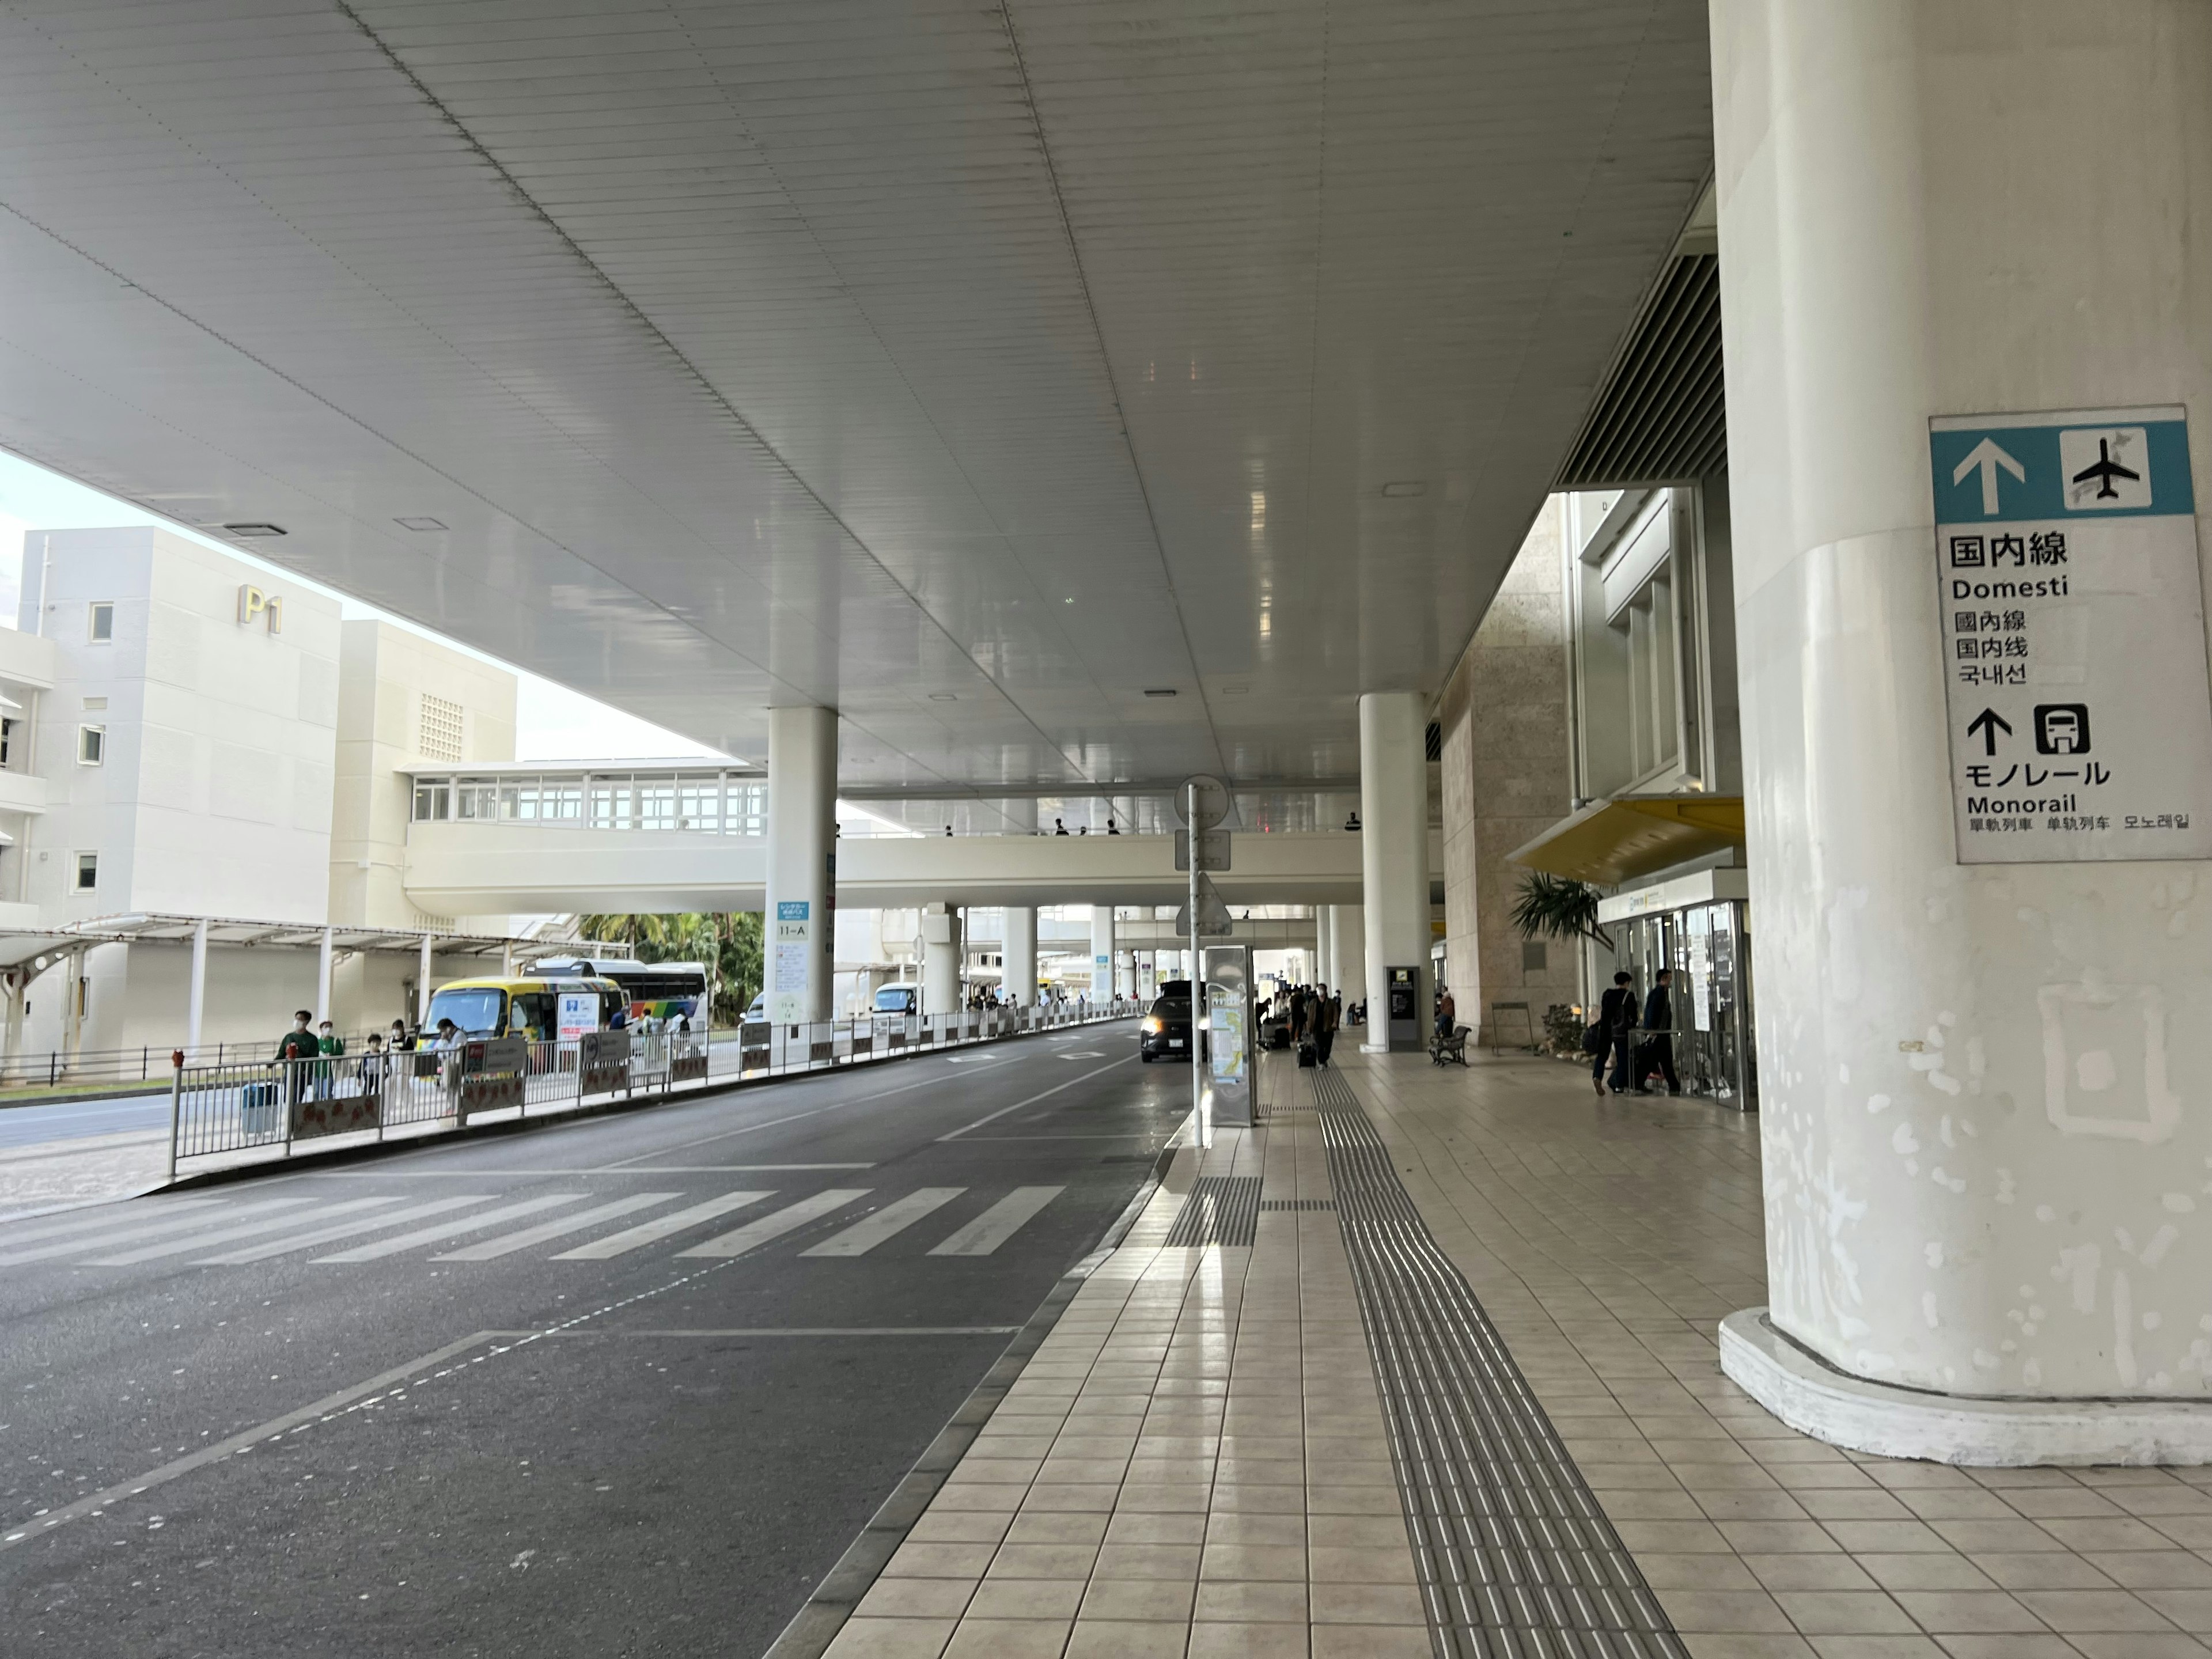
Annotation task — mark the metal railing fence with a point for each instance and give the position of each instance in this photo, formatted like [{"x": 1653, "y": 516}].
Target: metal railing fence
[{"x": 237, "y": 1109}]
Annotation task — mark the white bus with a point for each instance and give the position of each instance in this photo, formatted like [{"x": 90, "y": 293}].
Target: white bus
[{"x": 660, "y": 990}]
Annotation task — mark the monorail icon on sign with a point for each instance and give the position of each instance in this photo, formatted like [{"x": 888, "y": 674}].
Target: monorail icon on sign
[{"x": 2071, "y": 616}]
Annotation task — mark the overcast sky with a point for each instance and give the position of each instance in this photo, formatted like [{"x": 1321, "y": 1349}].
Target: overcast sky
[{"x": 552, "y": 722}]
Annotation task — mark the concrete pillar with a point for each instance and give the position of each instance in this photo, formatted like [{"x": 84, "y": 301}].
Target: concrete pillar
[
  {"x": 1020, "y": 956},
  {"x": 1986, "y": 1112},
  {"x": 423, "y": 984},
  {"x": 322, "y": 976},
  {"x": 1101, "y": 952},
  {"x": 196, "y": 1007},
  {"x": 1347, "y": 929},
  {"x": 1394, "y": 845},
  {"x": 940, "y": 960},
  {"x": 802, "y": 863},
  {"x": 1324, "y": 947}
]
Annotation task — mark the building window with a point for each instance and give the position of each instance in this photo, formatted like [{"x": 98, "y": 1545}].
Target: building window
[
  {"x": 87, "y": 871},
  {"x": 102, "y": 625},
  {"x": 438, "y": 735},
  {"x": 91, "y": 746}
]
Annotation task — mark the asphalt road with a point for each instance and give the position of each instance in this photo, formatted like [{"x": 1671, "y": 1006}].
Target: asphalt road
[
  {"x": 73, "y": 1119},
  {"x": 640, "y": 1412}
]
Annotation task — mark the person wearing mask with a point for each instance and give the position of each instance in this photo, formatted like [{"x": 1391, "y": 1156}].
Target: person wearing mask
[
  {"x": 294, "y": 1049},
  {"x": 328, "y": 1046},
  {"x": 401, "y": 1042},
  {"x": 1658, "y": 1050},
  {"x": 1616, "y": 1022}
]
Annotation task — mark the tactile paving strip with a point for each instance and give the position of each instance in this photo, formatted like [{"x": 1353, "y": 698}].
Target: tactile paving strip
[
  {"x": 1220, "y": 1210},
  {"x": 1517, "y": 1560},
  {"x": 1297, "y": 1203}
]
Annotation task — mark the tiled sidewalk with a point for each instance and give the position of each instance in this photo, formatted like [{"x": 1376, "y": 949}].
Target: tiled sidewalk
[
  {"x": 1193, "y": 1463},
  {"x": 1607, "y": 1240}
]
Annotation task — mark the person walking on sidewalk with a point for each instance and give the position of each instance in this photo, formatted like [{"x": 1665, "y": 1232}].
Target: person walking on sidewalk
[
  {"x": 1658, "y": 1050},
  {"x": 1324, "y": 1018},
  {"x": 1616, "y": 1021}
]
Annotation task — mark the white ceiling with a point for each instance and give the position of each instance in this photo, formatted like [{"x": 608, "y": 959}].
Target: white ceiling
[{"x": 971, "y": 367}]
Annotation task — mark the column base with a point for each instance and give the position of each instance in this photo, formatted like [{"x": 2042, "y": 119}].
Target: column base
[
  {"x": 1815, "y": 1398},
  {"x": 1374, "y": 1048}
]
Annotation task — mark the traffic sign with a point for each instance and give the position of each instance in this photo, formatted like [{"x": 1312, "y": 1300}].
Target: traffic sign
[
  {"x": 1214, "y": 920},
  {"x": 1214, "y": 801},
  {"x": 2072, "y": 622},
  {"x": 1212, "y": 849}
]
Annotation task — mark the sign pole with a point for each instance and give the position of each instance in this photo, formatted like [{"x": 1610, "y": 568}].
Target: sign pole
[{"x": 1198, "y": 1010}]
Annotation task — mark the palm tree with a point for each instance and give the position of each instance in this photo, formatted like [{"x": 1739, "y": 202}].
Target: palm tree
[{"x": 1558, "y": 907}]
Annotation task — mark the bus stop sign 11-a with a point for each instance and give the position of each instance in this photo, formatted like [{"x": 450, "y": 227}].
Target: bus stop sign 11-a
[{"x": 2072, "y": 622}]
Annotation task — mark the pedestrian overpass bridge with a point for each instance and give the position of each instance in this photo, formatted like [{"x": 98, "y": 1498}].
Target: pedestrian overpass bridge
[
  {"x": 675, "y": 837},
  {"x": 480, "y": 868}
]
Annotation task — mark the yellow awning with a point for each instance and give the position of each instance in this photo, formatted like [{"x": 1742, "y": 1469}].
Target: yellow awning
[{"x": 1611, "y": 841}]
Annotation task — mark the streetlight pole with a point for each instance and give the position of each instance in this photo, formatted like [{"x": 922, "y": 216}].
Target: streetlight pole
[{"x": 1198, "y": 1010}]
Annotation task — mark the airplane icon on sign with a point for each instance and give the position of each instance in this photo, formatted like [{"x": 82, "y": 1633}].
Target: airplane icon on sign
[{"x": 2104, "y": 470}]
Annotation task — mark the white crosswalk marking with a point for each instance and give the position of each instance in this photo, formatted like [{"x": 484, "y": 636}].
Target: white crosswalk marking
[
  {"x": 83, "y": 1222},
  {"x": 508, "y": 1244},
  {"x": 1000, "y": 1223},
  {"x": 307, "y": 1240},
  {"x": 893, "y": 1219},
  {"x": 660, "y": 1227},
  {"x": 170, "y": 1223},
  {"x": 754, "y": 1234},
  {"x": 223, "y": 1235},
  {"x": 467, "y": 1224}
]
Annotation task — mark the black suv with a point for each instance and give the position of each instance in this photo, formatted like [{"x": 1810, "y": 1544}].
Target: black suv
[{"x": 1166, "y": 1031}]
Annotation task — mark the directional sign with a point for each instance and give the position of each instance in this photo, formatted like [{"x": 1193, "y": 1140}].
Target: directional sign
[
  {"x": 2073, "y": 631},
  {"x": 1212, "y": 849}
]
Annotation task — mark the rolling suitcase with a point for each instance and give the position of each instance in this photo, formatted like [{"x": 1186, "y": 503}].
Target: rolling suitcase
[{"x": 1306, "y": 1054}]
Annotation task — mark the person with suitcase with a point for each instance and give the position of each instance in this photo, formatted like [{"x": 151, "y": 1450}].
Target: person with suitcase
[{"x": 1324, "y": 1026}]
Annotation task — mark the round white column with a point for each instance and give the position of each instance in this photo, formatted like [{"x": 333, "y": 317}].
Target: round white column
[
  {"x": 802, "y": 852},
  {"x": 1347, "y": 931},
  {"x": 1394, "y": 846},
  {"x": 1101, "y": 952},
  {"x": 1324, "y": 946},
  {"x": 1929, "y": 207},
  {"x": 941, "y": 951},
  {"x": 1019, "y": 973}
]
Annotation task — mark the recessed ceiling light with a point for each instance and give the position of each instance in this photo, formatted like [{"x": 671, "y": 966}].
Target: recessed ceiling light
[
  {"x": 1067, "y": 601},
  {"x": 1235, "y": 691},
  {"x": 1159, "y": 690},
  {"x": 943, "y": 696},
  {"x": 1405, "y": 487},
  {"x": 253, "y": 529},
  {"x": 419, "y": 524}
]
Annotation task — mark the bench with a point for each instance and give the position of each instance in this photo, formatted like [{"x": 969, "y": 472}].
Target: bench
[{"x": 1448, "y": 1050}]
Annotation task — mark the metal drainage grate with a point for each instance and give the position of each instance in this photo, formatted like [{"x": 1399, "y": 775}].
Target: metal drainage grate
[
  {"x": 1297, "y": 1203},
  {"x": 1517, "y": 1560},
  {"x": 1220, "y": 1210}
]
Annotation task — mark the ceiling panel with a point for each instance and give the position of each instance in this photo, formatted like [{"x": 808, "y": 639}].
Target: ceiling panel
[{"x": 973, "y": 369}]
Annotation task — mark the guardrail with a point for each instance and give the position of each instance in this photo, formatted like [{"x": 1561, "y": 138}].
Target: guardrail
[{"x": 244, "y": 1112}]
